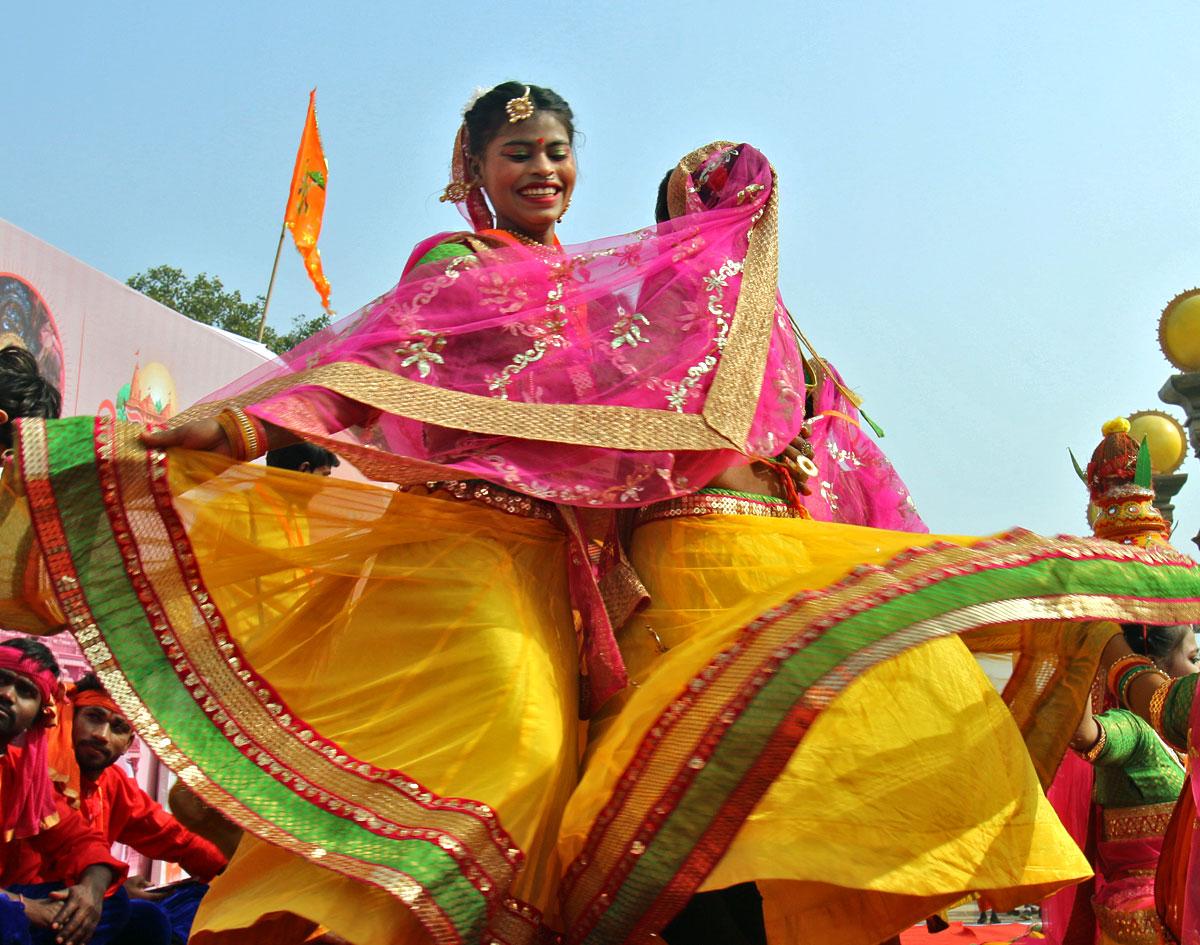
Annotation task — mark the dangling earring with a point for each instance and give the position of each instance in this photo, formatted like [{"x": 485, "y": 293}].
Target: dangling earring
[{"x": 566, "y": 207}]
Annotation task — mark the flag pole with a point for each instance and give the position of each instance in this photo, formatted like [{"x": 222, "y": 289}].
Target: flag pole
[{"x": 262, "y": 324}]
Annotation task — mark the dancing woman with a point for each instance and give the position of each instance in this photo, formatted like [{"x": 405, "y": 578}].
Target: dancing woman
[
  {"x": 1138, "y": 780},
  {"x": 394, "y": 720},
  {"x": 897, "y": 839}
]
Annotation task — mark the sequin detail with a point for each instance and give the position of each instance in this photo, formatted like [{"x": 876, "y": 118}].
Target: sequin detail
[
  {"x": 494, "y": 496},
  {"x": 716, "y": 503}
]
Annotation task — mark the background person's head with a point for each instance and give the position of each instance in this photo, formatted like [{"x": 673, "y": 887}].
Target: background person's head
[
  {"x": 28, "y": 676},
  {"x": 526, "y": 167},
  {"x": 662, "y": 207},
  {"x": 23, "y": 391},
  {"x": 1173, "y": 649},
  {"x": 101, "y": 734},
  {"x": 305, "y": 458}
]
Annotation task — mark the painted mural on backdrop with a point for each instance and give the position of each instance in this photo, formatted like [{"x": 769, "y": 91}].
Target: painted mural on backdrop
[
  {"x": 149, "y": 398},
  {"x": 25, "y": 321}
]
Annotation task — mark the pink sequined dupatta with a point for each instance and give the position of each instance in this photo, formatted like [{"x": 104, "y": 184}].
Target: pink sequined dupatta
[{"x": 612, "y": 374}]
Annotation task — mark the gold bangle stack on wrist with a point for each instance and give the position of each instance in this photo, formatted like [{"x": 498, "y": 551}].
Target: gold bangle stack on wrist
[{"x": 247, "y": 439}]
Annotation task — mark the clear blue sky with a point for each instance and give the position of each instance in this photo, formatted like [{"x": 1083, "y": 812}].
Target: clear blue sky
[{"x": 985, "y": 206}]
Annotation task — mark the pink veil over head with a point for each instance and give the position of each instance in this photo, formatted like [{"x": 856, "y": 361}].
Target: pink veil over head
[{"x": 611, "y": 374}]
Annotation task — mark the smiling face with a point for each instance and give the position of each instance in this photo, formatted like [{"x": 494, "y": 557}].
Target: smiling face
[
  {"x": 20, "y": 704},
  {"x": 100, "y": 737},
  {"x": 528, "y": 172}
]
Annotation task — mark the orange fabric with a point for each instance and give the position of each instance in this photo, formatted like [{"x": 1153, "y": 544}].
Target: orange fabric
[
  {"x": 60, "y": 753},
  {"x": 95, "y": 697},
  {"x": 306, "y": 200}
]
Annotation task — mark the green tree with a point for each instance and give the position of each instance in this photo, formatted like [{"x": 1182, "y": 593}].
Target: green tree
[{"x": 205, "y": 299}]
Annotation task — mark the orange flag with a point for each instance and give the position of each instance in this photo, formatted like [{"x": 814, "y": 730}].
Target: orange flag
[{"x": 306, "y": 200}]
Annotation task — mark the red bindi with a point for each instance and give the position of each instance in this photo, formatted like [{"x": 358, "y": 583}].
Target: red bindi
[{"x": 541, "y": 140}]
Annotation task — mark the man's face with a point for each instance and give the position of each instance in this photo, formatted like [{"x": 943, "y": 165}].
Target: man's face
[
  {"x": 101, "y": 737},
  {"x": 20, "y": 705}
]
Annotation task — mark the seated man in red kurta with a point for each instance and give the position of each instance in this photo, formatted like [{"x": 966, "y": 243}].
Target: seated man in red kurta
[
  {"x": 113, "y": 803},
  {"x": 34, "y": 817}
]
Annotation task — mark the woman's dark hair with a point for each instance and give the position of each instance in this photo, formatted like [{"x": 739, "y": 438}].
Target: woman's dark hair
[
  {"x": 487, "y": 116},
  {"x": 662, "y": 208},
  {"x": 23, "y": 390},
  {"x": 32, "y": 649},
  {"x": 1155, "y": 642}
]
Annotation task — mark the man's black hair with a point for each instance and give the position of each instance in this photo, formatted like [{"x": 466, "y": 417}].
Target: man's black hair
[
  {"x": 296, "y": 455},
  {"x": 89, "y": 682}
]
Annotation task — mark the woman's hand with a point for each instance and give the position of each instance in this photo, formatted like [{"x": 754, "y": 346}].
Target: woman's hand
[
  {"x": 798, "y": 458},
  {"x": 207, "y": 436}
]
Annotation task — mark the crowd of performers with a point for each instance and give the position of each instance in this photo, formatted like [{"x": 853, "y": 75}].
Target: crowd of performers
[{"x": 637, "y": 636}]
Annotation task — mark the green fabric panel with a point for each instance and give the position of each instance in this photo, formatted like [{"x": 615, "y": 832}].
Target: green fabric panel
[
  {"x": 752, "y": 496},
  {"x": 737, "y": 750},
  {"x": 135, "y": 648},
  {"x": 1177, "y": 713},
  {"x": 444, "y": 251},
  {"x": 1135, "y": 768}
]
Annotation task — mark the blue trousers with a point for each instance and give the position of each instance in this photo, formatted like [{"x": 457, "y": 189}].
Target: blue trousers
[
  {"x": 16, "y": 930},
  {"x": 163, "y": 922}
]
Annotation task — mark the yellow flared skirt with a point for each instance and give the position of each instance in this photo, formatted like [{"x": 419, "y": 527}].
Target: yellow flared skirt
[
  {"x": 421, "y": 634},
  {"x": 912, "y": 789}
]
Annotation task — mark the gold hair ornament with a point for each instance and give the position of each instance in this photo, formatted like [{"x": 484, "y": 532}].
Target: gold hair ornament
[{"x": 519, "y": 108}]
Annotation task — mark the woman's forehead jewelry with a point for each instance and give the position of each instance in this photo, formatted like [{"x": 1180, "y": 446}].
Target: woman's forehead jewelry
[{"x": 519, "y": 108}]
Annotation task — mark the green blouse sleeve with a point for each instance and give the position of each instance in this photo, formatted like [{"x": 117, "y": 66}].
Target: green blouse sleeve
[
  {"x": 1177, "y": 711},
  {"x": 1125, "y": 735},
  {"x": 444, "y": 251}
]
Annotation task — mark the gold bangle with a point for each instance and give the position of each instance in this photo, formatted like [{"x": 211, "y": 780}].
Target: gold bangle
[
  {"x": 233, "y": 434},
  {"x": 1093, "y": 753},
  {"x": 1119, "y": 665},
  {"x": 246, "y": 439},
  {"x": 250, "y": 432},
  {"x": 1158, "y": 703}
]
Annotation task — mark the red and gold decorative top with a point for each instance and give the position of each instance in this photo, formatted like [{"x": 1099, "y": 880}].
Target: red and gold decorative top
[{"x": 1122, "y": 490}]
